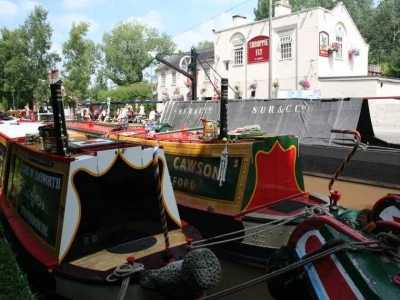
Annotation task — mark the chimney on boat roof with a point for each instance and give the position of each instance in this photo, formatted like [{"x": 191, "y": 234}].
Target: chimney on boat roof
[
  {"x": 282, "y": 8},
  {"x": 238, "y": 20},
  {"x": 53, "y": 75}
]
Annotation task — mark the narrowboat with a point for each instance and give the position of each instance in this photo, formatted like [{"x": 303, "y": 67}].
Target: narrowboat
[
  {"x": 96, "y": 218},
  {"x": 353, "y": 256}
]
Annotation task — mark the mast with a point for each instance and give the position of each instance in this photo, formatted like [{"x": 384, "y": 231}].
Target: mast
[{"x": 270, "y": 51}]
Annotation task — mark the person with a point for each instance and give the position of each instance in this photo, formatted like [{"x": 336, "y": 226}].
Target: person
[
  {"x": 123, "y": 114},
  {"x": 141, "y": 110},
  {"x": 27, "y": 111},
  {"x": 103, "y": 115},
  {"x": 152, "y": 115}
]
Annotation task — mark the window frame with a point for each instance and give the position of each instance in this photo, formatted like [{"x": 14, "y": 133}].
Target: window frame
[
  {"x": 162, "y": 82},
  {"x": 286, "y": 43},
  {"x": 173, "y": 74},
  {"x": 238, "y": 54}
]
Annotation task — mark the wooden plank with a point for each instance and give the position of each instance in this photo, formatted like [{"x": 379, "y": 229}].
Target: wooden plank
[{"x": 104, "y": 260}]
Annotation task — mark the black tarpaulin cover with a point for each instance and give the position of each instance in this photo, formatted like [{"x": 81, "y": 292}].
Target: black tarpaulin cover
[{"x": 309, "y": 119}]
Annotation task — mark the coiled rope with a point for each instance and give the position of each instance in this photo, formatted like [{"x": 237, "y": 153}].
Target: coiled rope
[{"x": 124, "y": 272}]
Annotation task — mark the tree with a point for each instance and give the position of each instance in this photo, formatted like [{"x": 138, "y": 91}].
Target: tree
[
  {"x": 383, "y": 32},
  {"x": 25, "y": 59},
  {"x": 81, "y": 56},
  {"x": 126, "y": 51},
  {"x": 36, "y": 35},
  {"x": 262, "y": 10},
  {"x": 394, "y": 64},
  {"x": 204, "y": 45}
]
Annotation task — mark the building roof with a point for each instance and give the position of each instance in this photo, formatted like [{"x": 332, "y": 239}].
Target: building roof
[{"x": 204, "y": 54}]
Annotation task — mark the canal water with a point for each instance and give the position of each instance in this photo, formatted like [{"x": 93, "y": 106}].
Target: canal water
[{"x": 354, "y": 195}]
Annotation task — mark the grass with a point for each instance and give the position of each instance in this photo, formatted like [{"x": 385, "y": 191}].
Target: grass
[{"x": 13, "y": 283}]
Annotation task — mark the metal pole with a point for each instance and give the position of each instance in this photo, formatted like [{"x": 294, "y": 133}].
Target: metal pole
[
  {"x": 224, "y": 110},
  {"x": 193, "y": 71},
  {"x": 270, "y": 51}
]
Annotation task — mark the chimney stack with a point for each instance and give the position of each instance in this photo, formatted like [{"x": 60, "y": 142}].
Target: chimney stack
[
  {"x": 238, "y": 20},
  {"x": 282, "y": 8}
]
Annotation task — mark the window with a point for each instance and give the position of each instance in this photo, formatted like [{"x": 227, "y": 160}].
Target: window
[
  {"x": 340, "y": 33},
  {"x": 207, "y": 75},
  {"x": 162, "y": 78},
  {"x": 339, "y": 53},
  {"x": 286, "y": 47},
  {"x": 237, "y": 43},
  {"x": 173, "y": 78},
  {"x": 238, "y": 56}
]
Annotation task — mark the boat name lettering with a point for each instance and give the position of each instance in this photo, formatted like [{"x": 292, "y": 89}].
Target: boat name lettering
[
  {"x": 50, "y": 181},
  {"x": 41, "y": 160},
  {"x": 34, "y": 221},
  {"x": 34, "y": 197},
  {"x": 195, "y": 167},
  {"x": 257, "y": 44},
  {"x": 196, "y": 111},
  {"x": 183, "y": 183},
  {"x": 272, "y": 109}
]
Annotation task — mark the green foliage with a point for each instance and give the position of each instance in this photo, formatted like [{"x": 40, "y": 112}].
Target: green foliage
[
  {"x": 204, "y": 45},
  {"x": 81, "y": 56},
  {"x": 140, "y": 90},
  {"x": 394, "y": 64},
  {"x": 262, "y": 10},
  {"x": 125, "y": 51},
  {"x": 13, "y": 284},
  {"x": 25, "y": 58}
]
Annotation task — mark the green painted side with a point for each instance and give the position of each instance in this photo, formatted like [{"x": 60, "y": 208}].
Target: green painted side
[
  {"x": 198, "y": 175},
  {"x": 266, "y": 145},
  {"x": 370, "y": 272},
  {"x": 36, "y": 195}
]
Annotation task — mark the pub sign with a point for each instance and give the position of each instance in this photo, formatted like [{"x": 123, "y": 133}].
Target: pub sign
[{"x": 258, "y": 49}]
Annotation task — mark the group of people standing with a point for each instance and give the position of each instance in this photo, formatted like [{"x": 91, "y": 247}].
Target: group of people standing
[{"x": 120, "y": 115}]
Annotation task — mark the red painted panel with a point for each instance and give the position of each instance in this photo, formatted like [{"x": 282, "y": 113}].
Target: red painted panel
[
  {"x": 331, "y": 278},
  {"x": 270, "y": 186},
  {"x": 258, "y": 49}
]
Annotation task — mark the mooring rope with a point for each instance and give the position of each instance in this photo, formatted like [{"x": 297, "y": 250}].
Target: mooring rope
[
  {"x": 156, "y": 170},
  {"x": 241, "y": 237},
  {"x": 356, "y": 246},
  {"x": 124, "y": 272},
  {"x": 308, "y": 212}
]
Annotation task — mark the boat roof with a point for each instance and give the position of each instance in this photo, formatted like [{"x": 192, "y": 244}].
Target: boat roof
[{"x": 15, "y": 128}]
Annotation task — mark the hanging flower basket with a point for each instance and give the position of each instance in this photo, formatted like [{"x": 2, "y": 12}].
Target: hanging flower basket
[
  {"x": 275, "y": 84},
  {"x": 253, "y": 86},
  {"x": 305, "y": 84},
  {"x": 334, "y": 47},
  {"x": 353, "y": 52}
]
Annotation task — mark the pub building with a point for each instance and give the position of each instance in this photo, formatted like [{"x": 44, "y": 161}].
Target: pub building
[{"x": 316, "y": 53}]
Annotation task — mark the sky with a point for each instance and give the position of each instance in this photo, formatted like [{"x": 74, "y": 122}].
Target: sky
[{"x": 187, "y": 22}]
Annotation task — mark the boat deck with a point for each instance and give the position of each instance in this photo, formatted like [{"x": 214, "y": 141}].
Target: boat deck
[{"x": 105, "y": 260}]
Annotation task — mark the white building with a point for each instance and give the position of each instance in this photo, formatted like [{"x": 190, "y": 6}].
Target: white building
[{"x": 321, "y": 47}]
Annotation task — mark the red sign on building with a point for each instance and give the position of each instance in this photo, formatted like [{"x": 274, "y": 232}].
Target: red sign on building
[
  {"x": 258, "y": 49},
  {"x": 323, "y": 44}
]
